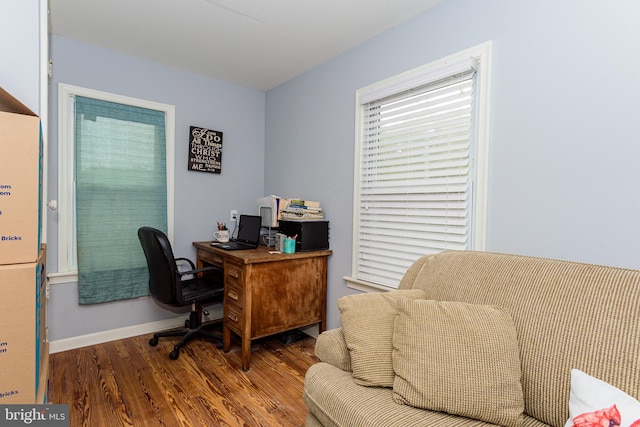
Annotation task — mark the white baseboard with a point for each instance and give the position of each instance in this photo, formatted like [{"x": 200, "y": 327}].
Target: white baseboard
[
  {"x": 65, "y": 344},
  {"x": 114, "y": 334}
]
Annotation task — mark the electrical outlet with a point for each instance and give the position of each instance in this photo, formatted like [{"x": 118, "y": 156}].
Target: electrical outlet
[{"x": 234, "y": 215}]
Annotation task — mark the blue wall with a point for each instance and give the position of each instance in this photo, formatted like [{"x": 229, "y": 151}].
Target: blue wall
[
  {"x": 201, "y": 199},
  {"x": 564, "y": 150}
]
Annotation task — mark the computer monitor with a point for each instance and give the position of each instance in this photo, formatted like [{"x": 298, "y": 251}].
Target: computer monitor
[{"x": 249, "y": 229}]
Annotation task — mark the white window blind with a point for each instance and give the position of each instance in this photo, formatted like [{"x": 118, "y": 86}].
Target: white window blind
[{"x": 414, "y": 189}]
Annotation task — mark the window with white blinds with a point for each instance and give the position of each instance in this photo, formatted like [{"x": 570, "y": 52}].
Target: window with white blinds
[
  {"x": 417, "y": 159},
  {"x": 104, "y": 140}
]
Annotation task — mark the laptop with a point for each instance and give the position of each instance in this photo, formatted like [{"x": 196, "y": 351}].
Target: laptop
[{"x": 248, "y": 234}]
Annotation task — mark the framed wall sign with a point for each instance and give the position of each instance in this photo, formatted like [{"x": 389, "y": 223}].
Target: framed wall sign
[{"x": 205, "y": 150}]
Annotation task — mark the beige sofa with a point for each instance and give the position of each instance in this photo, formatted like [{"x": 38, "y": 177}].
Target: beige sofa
[{"x": 565, "y": 316}]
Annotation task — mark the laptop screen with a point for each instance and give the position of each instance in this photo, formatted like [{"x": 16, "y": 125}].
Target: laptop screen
[{"x": 249, "y": 229}]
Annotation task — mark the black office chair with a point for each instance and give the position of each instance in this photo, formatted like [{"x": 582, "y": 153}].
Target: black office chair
[{"x": 169, "y": 285}]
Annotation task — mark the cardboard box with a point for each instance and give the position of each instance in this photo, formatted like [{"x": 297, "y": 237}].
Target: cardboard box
[
  {"x": 42, "y": 390},
  {"x": 23, "y": 347},
  {"x": 20, "y": 181}
]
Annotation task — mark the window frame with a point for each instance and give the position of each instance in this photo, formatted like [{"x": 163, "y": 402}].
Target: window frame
[
  {"x": 480, "y": 58},
  {"x": 67, "y": 272}
]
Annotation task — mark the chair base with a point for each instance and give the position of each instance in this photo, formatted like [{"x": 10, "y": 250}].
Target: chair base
[{"x": 194, "y": 328}]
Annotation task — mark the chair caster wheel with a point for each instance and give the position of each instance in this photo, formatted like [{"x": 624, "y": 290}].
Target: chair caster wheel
[
  {"x": 153, "y": 342},
  {"x": 174, "y": 354}
]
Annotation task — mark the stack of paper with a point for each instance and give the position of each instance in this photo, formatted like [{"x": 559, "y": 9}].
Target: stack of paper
[
  {"x": 301, "y": 210},
  {"x": 274, "y": 208}
]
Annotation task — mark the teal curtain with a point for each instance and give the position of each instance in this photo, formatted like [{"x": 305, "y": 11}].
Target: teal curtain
[{"x": 121, "y": 185}]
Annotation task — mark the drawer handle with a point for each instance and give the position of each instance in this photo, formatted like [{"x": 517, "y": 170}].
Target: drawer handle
[
  {"x": 233, "y": 317},
  {"x": 234, "y": 274},
  {"x": 233, "y": 295}
]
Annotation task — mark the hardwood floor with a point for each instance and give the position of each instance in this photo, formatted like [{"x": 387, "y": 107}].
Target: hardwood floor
[{"x": 129, "y": 383}]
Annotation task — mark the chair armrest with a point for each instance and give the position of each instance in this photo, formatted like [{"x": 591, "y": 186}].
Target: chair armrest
[
  {"x": 199, "y": 270},
  {"x": 331, "y": 348},
  {"x": 187, "y": 260}
]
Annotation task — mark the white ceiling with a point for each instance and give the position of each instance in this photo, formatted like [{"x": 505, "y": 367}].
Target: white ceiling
[{"x": 254, "y": 43}]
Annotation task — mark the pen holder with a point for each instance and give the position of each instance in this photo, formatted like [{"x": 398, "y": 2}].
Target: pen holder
[
  {"x": 221, "y": 236},
  {"x": 289, "y": 245}
]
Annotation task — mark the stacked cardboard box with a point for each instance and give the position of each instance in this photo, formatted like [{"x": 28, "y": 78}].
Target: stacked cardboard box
[
  {"x": 20, "y": 181},
  {"x": 23, "y": 345}
]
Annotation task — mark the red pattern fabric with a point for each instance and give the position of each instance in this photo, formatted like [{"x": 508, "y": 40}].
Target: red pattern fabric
[{"x": 609, "y": 417}]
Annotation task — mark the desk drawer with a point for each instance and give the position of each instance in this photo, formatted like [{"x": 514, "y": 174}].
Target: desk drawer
[
  {"x": 210, "y": 258},
  {"x": 233, "y": 303},
  {"x": 233, "y": 274},
  {"x": 233, "y": 320},
  {"x": 235, "y": 306},
  {"x": 233, "y": 295}
]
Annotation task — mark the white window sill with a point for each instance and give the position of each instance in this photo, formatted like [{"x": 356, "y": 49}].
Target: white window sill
[
  {"x": 64, "y": 277},
  {"x": 363, "y": 286}
]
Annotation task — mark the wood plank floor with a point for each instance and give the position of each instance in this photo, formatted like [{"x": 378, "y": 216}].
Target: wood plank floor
[{"x": 129, "y": 383}]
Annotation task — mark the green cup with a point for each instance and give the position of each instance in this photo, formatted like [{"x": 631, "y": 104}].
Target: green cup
[{"x": 289, "y": 245}]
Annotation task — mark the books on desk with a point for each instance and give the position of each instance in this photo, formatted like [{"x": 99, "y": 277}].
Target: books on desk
[
  {"x": 274, "y": 208},
  {"x": 302, "y": 210}
]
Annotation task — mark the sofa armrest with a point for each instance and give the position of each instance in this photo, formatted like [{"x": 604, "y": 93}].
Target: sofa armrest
[{"x": 331, "y": 348}]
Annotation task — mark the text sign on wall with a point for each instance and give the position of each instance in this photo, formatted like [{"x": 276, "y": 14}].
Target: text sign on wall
[{"x": 205, "y": 150}]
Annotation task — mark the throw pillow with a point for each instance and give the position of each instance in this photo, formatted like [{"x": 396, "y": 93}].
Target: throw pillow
[
  {"x": 458, "y": 358},
  {"x": 367, "y": 325},
  {"x": 593, "y": 402}
]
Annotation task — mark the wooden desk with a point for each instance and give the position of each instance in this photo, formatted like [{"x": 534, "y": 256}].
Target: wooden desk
[{"x": 265, "y": 294}]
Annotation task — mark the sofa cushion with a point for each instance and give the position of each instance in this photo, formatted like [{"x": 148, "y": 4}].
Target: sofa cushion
[
  {"x": 594, "y": 402},
  {"x": 335, "y": 400},
  {"x": 367, "y": 325},
  {"x": 458, "y": 358}
]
